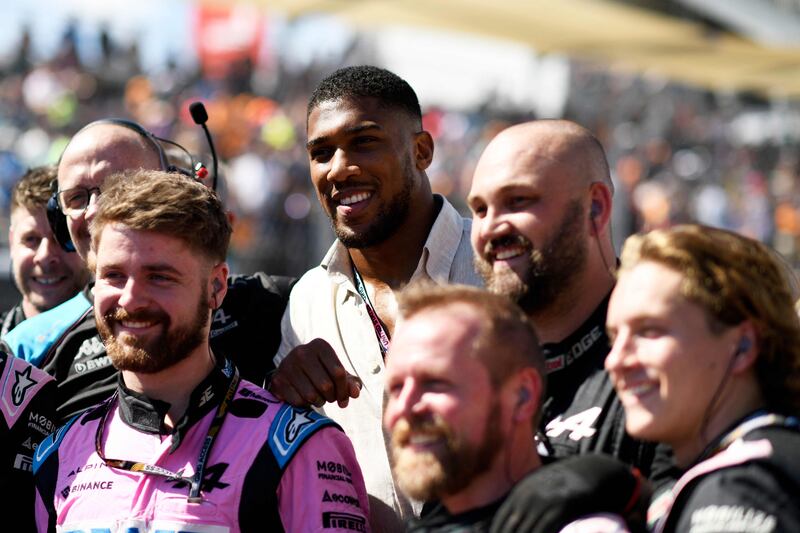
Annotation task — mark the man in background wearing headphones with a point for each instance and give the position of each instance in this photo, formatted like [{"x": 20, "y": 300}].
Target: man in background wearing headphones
[
  {"x": 465, "y": 380},
  {"x": 541, "y": 204},
  {"x": 45, "y": 274},
  {"x": 64, "y": 341}
]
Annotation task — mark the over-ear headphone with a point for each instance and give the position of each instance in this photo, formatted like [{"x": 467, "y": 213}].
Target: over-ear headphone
[{"x": 58, "y": 221}]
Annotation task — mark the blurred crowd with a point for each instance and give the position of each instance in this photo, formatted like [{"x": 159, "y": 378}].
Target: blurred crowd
[{"x": 677, "y": 153}]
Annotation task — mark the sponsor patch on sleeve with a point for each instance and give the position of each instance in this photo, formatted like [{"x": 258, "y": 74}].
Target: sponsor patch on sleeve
[
  {"x": 51, "y": 444},
  {"x": 290, "y": 428}
]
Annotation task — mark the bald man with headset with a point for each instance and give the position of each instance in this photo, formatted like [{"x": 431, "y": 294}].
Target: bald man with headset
[{"x": 64, "y": 341}]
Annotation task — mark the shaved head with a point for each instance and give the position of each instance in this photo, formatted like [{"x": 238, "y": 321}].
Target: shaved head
[
  {"x": 112, "y": 143},
  {"x": 551, "y": 142},
  {"x": 541, "y": 202},
  {"x": 93, "y": 154}
]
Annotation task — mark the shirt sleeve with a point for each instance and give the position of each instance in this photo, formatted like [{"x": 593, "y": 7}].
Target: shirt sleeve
[
  {"x": 744, "y": 498},
  {"x": 322, "y": 488},
  {"x": 289, "y": 338}
]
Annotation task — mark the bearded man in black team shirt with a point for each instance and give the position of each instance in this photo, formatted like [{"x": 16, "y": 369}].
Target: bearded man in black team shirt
[{"x": 541, "y": 204}]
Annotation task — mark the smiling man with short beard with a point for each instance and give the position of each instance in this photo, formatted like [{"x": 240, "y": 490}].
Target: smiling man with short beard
[
  {"x": 368, "y": 154},
  {"x": 462, "y": 398},
  {"x": 426, "y": 475},
  {"x": 464, "y": 386},
  {"x": 184, "y": 443},
  {"x": 171, "y": 345},
  {"x": 541, "y": 204},
  {"x": 552, "y": 265}
]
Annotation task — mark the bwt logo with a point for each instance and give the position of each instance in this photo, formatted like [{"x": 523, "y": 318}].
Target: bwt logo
[{"x": 92, "y": 364}]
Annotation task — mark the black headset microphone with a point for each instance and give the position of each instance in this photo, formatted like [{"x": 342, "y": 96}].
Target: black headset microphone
[
  {"x": 200, "y": 117},
  {"x": 58, "y": 220}
]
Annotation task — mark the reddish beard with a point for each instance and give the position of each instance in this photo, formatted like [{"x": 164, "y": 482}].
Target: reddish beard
[
  {"x": 431, "y": 475},
  {"x": 148, "y": 355}
]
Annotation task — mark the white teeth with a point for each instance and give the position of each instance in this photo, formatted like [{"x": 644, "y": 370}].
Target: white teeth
[
  {"x": 132, "y": 324},
  {"x": 640, "y": 390},
  {"x": 508, "y": 254},
  {"x": 359, "y": 197},
  {"x": 422, "y": 439},
  {"x": 47, "y": 281}
]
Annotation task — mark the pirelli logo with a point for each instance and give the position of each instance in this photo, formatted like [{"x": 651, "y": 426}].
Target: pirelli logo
[{"x": 337, "y": 520}]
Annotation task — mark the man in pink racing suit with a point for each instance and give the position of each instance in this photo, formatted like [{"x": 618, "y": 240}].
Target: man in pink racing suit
[{"x": 184, "y": 444}]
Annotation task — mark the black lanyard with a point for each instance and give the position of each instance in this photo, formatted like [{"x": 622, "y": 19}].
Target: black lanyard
[
  {"x": 145, "y": 468},
  {"x": 380, "y": 331}
]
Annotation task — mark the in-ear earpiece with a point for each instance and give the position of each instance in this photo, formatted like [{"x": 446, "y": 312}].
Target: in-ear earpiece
[
  {"x": 744, "y": 345},
  {"x": 524, "y": 396},
  {"x": 217, "y": 287},
  {"x": 595, "y": 209}
]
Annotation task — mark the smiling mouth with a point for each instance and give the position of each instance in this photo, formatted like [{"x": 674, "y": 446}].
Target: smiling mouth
[
  {"x": 350, "y": 199},
  {"x": 640, "y": 390},
  {"x": 54, "y": 280},
  {"x": 135, "y": 324},
  {"x": 509, "y": 253},
  {"x": 421, "y": 442},
  {"x": 505, "y": 248}
]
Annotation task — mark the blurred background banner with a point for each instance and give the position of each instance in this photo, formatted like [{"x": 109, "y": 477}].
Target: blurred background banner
[
  {"x": 227, "y": 34},
  {"x": 697, "y": 102}
]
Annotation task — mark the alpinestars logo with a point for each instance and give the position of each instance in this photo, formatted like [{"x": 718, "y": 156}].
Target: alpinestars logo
[
  {"x": 23, "y": 383},
  {"x": 295, "y": 426}
]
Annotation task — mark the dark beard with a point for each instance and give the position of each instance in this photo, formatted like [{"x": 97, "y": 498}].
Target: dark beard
[
  {"x": 386, "y": 222},
  {"x": 154, "y": 355},
  {"x": 430, "y": 476},
  {"x": 551, "y": 267}
]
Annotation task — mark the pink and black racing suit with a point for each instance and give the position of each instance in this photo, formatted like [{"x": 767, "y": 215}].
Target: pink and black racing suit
[{"x": 272, "y": 467}]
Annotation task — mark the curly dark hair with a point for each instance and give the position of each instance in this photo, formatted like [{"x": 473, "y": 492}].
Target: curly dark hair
[{"x": 366, "y": 81}]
